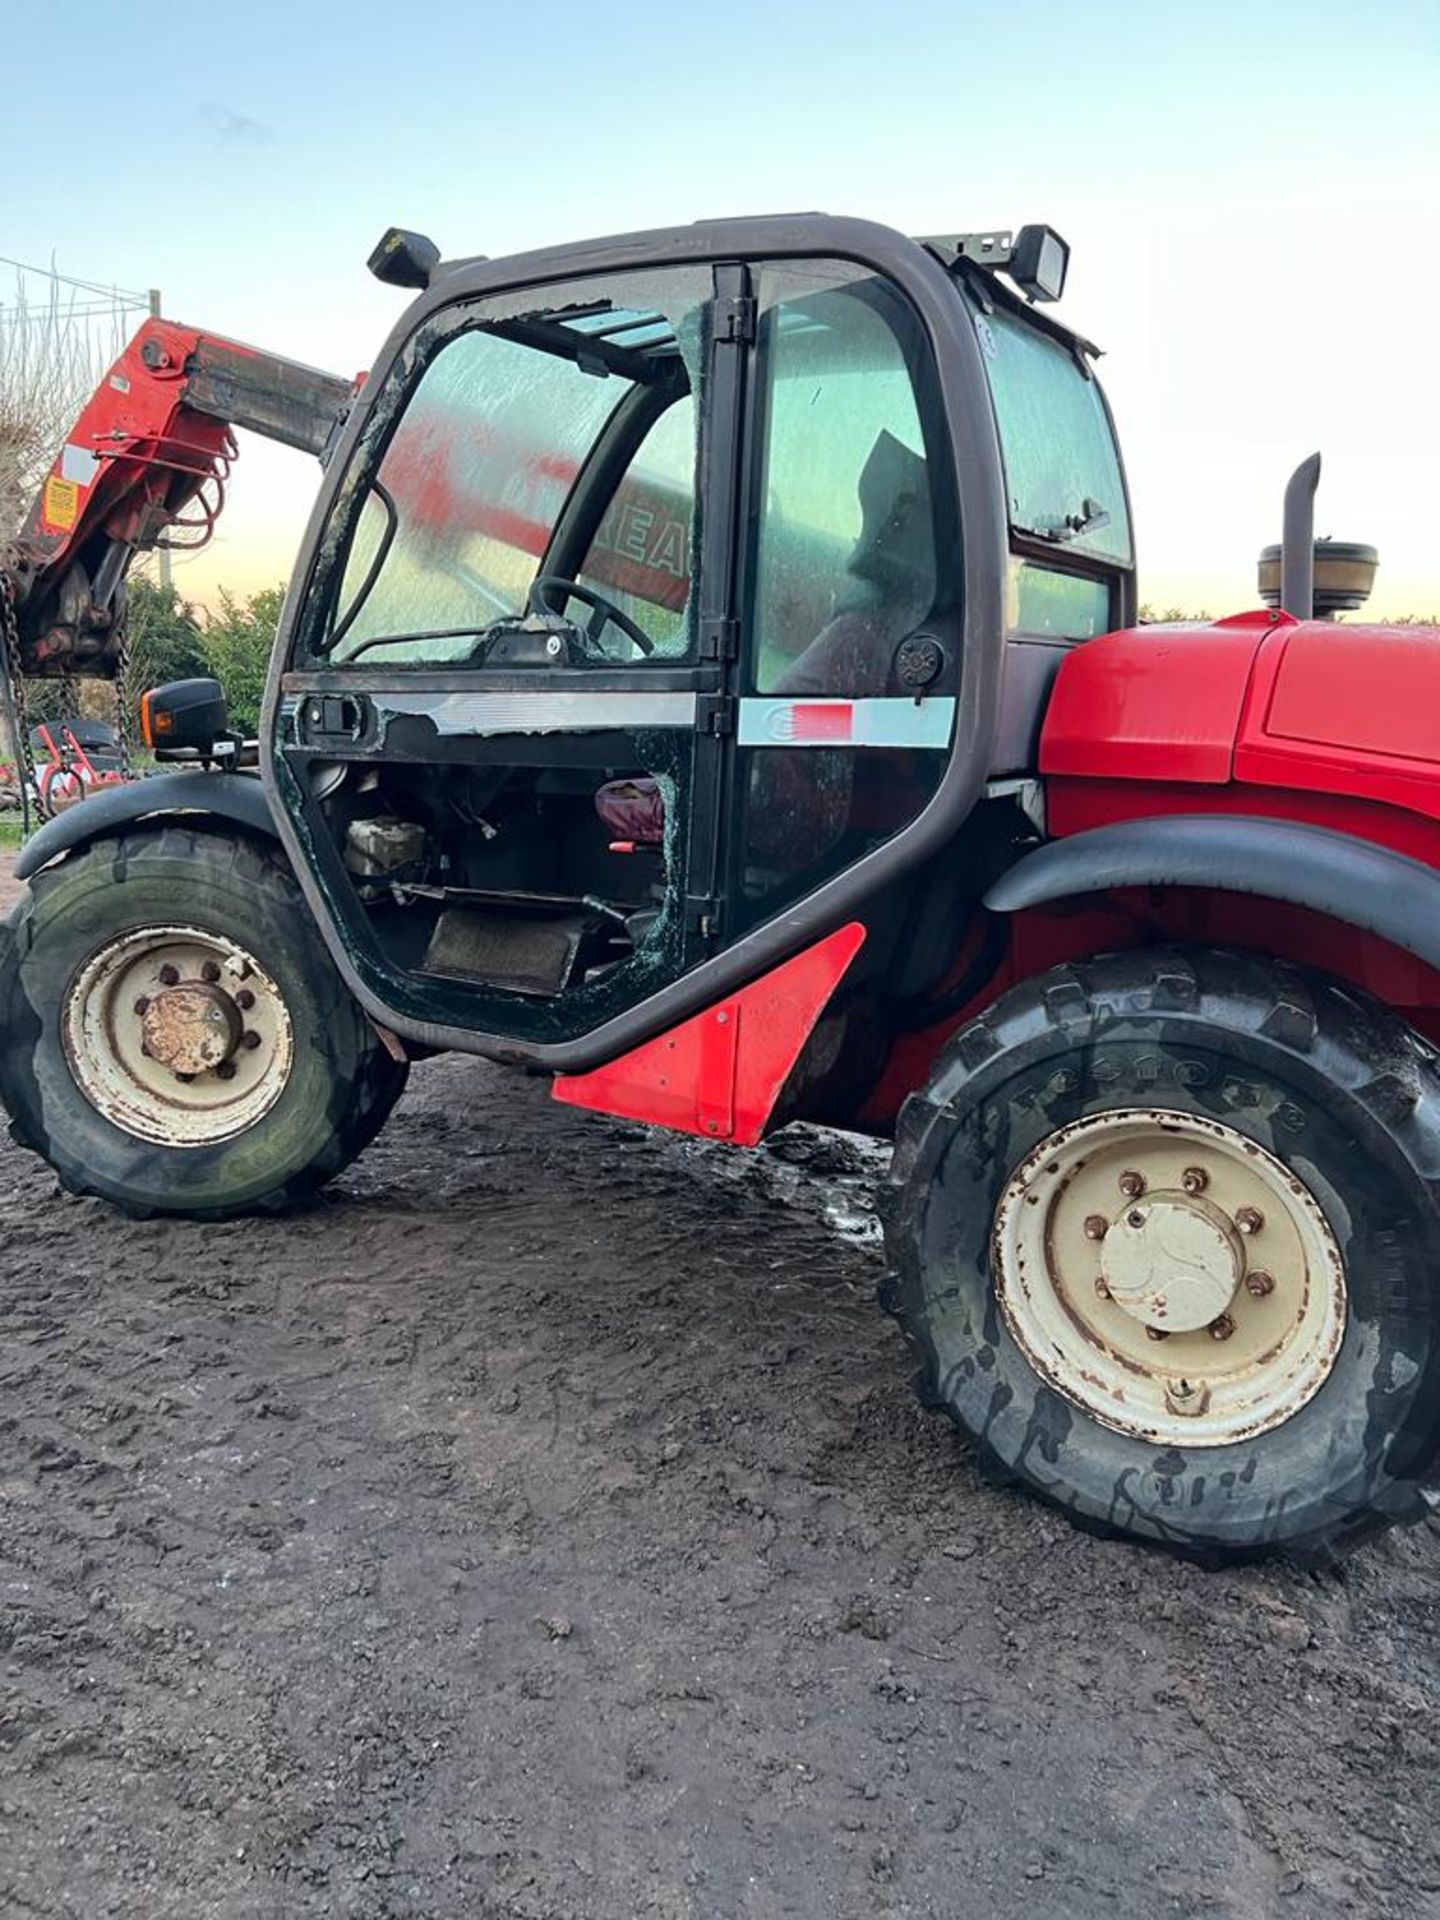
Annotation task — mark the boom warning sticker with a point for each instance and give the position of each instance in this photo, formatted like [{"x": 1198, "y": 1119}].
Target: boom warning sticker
[{"x": 60, "y": 503}]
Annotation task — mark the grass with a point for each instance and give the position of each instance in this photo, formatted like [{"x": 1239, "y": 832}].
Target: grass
[{"x": 10, "y": 835}]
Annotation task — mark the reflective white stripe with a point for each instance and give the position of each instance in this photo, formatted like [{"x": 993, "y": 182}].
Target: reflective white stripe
[
  {"x": 886, "y": 722},
  {"x": 578, "y": 712},
  {"x": 78, "y": 464}
]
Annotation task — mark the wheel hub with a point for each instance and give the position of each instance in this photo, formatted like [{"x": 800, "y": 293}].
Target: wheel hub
[
  {"x": 1170, "y": 1276},
  {"x": 1172, "y": 1261},
  {"x": 191, "y": 1028},
  {"x": 177, "y": 1035}
]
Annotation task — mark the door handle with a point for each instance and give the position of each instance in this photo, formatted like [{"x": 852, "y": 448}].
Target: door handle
[{"x": 328, "y": 717}]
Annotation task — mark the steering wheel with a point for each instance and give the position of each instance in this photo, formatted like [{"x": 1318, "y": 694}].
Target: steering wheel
[{"x": 552, "y": 590}]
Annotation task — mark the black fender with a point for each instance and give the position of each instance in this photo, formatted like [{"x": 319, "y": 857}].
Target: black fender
[
  {"x": 1365, "y": 885},
  {"x": 235, "y": 798}
]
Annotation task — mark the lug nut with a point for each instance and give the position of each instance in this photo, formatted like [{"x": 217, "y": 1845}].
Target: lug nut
[
  {"x": 1259, "y": 1283},
  {"x": 1102, "y": 1292},
  {"x": 169, "y": 976},
  {"x": 1249, "y": 1219},
  {"x": 210, "y": 972},
  {"x": 142, "y": 1005},
  {"x": 244, "y": 999},
  {"x": 1157, "y": 1333},
  {"x": 1096, "y": 1226},
  {"x": 1132, "y": 1184},
  {"x": 225, "y": 1070},
  {"x": 249, "y": 1039},
  {"x": 1195, "y": 1180},
  {"x": 1222, "y": 1328}
]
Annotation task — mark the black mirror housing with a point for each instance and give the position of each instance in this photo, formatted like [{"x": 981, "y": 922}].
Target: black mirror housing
[
  {"x": 184, "y": 714},
  {"x": 404, "y": 259}
]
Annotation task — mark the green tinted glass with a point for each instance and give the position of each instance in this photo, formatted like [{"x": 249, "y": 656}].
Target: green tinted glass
[
  {"x": 1071, "y": 606},
  {"x": 479, "y": 469},
  {"x": 641, "y": 556},
  {"x": 1062, "y": 471},
  {"x": 847, "y": 528}
]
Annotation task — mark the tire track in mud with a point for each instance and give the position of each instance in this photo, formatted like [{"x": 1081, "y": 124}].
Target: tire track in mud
[{"x": 540, "y": 1526}]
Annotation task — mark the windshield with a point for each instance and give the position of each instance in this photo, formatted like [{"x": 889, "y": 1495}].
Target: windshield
[
  {"x": 1062, "y": 471},
  {"x": 477, "y": 473},
  {"x": 497, "y": 448}
]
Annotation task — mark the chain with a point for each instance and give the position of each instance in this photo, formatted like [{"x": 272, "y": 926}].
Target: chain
[
  {"x": 122, "y": 699},
  {"x": 12, "y": 673}
]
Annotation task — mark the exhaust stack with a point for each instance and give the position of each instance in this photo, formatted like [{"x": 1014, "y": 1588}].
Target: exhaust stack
[
  {"x": 1297, "y": 553},
  {"x": 1309, "y": 579}
]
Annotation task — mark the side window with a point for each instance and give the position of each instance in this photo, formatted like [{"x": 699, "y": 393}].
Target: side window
[
  {"x": 1067, "y": 606},
  {"x": 641, "y": 555},
  {"x": 845, "y": 560},
  {"x": 1062, "y": 466},
  {"x": 848, "y": 581}
]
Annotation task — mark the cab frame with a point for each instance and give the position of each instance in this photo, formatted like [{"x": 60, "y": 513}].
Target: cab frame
[{"x": 965, "y": 428}]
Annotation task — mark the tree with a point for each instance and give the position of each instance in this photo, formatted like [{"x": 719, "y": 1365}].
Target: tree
[
  {"x": 56, "y": 337},
  {"x": 166, "y": 641},
  {"x": 51, "y": 355},
  {"x": 236, "y": 643},
  {"x": 1168, "y": 617}
]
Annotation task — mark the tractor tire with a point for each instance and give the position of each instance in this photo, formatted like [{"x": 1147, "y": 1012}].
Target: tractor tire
[
  {"x": 1163, "y": 1233},
  {"x": 174, "y": 1037}
]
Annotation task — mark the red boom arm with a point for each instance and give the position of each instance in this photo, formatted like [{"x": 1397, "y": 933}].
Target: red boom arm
[{"x": 148, "y": 459}]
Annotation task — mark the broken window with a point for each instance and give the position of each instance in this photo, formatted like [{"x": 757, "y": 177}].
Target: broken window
[{"x": 559, "y": 440}]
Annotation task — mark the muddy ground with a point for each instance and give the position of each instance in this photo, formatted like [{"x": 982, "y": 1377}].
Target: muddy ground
[{"x": 540, "y": 1528}]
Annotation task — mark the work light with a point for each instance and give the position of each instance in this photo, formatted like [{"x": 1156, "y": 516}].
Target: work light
[{"x": 1039, "y": 262}]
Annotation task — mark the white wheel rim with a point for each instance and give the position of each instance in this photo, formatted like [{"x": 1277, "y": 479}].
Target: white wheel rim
[
  {"x": 1169, "y": 1276},
  {"x": 177, "y": 1036}
]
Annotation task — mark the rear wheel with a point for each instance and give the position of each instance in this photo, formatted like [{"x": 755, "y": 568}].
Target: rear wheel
[
  {"x": 174, "y": 1037},
  {"x": 1163, "y": 1233}
]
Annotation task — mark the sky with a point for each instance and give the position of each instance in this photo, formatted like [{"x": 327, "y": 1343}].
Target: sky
[{"x": 1249, "y": 190}]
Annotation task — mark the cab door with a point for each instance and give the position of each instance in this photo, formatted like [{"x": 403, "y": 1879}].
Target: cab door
[
  {"x": 851, "y": 601},
  {"x": 499, "y": 737}
]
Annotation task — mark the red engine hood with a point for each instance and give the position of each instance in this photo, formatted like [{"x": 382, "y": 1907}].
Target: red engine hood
[{"x": 1261, "y": 700}]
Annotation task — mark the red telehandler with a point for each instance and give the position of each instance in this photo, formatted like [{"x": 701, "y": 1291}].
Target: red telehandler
[{"x": 711, "y": 679}]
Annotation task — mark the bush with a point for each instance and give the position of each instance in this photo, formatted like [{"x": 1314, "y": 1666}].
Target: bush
[{"x": 166, "y": 642}]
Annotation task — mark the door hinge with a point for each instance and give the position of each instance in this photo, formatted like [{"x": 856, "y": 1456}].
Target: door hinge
[
  {"x": 719, "y": 639},
  {"x": 715, "y": 714},
  {"x": 735, "y": 318}
]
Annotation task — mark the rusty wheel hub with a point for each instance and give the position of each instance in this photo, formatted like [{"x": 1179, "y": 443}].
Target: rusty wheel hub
[
  {"x": 177, "y": 1035},
  {"x": 191, "y": 1028},
  {"x": 1170, "y": 1276}
]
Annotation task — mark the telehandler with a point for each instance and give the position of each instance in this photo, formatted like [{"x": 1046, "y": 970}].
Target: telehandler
[{"x": 711, "y": 679}]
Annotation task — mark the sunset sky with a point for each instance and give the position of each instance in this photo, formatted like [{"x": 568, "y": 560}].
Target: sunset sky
[{"x": 1249, "y": 191}]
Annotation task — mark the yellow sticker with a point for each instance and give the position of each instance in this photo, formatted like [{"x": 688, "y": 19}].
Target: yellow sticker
[{"x": 61, "y": 507}]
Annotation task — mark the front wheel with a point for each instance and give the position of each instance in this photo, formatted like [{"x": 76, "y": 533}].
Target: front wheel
[
  {"x": 1163, "y": 1232},
  {"x": 174, "y": 1037}
]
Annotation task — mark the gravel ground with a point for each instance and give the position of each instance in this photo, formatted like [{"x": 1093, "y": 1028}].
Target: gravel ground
[{"x": 540, "y": 1528}]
